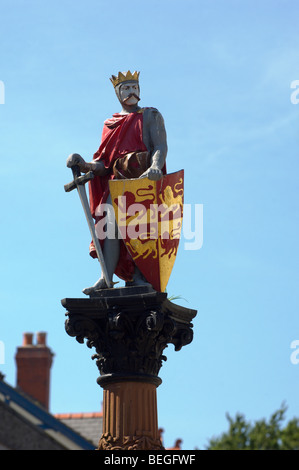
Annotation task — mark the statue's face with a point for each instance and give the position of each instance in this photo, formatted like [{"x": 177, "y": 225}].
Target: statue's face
[{"x": 128, "y": 93}]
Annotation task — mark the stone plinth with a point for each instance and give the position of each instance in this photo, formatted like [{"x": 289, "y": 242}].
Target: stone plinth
[{"x": 129, "y": 328}]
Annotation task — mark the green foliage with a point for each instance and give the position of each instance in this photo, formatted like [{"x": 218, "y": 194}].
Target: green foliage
[
  {"x": 262, "y": 435},
  {"x": 175, "y": 297}
]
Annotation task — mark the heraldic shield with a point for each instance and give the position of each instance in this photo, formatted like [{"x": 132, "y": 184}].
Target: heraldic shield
[{"x": 149, "y": 215}]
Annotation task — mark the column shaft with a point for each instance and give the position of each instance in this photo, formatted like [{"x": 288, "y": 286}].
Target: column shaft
[{"x": 130, "y": 417}]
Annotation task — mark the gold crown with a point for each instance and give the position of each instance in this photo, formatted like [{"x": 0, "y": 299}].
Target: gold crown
[{"x": 124, "y": 77}]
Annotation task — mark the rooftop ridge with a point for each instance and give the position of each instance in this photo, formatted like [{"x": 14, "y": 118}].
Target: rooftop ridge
[{"x": 80, "y": 415}]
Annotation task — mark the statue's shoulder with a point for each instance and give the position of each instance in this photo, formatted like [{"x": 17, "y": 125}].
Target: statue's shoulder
[
  {"x": 151, "y": 115},
  {"x": 150, "y": 110}
]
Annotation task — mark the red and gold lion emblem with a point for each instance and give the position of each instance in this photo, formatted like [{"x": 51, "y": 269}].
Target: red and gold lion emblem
[{"x": 149, "y": 215}]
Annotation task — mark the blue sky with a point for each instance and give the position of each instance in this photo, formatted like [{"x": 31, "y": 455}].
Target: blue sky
[{"x": 220, "y": 72}]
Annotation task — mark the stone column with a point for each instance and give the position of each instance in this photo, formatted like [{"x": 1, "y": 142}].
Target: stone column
[
  {"x": 130, "y": 418},
  {"x": 129, "y": 329}
]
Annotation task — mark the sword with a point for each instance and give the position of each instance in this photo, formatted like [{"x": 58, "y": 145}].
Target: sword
[{"x": 79, "y": 182}]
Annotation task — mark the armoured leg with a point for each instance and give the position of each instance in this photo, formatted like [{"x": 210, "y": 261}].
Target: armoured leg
[
  {"x": 111, "y": 254},
  {"x": 138, "y": 279},
  {"x": 110, "y": 251}
]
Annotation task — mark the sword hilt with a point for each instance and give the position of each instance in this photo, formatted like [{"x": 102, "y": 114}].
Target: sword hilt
[{"x": 78, "y": 179}]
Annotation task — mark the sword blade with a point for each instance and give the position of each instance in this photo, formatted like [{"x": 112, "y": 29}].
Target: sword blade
[{"x": 90, "y": 222}]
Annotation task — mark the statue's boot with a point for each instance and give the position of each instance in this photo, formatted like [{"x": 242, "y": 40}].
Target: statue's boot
[
  {"x": 138, "y": 279},
  {"x": 100, "y": 284}
]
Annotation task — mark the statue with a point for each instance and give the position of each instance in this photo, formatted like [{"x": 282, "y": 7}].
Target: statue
[
  {"x": 134, "y": 214},
  {"x": 133, "y": 146}
]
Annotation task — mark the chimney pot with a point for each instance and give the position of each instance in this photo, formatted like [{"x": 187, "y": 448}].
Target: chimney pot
[
  {"x": 41, "y": 338},
  {"x": 27, "y": 339}
]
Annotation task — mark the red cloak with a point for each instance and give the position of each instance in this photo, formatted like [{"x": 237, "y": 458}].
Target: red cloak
[{"x": 121, "y": 134}]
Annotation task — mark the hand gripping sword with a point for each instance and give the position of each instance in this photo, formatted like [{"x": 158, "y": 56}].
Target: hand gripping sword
[{"x": 79, "y": 182}]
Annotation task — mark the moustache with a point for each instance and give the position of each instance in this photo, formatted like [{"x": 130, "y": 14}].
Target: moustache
[{"x": 130, "y": 96}]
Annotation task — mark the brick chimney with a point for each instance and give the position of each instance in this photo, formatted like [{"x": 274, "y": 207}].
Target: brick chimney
[{"x": 33, "y": 367}]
